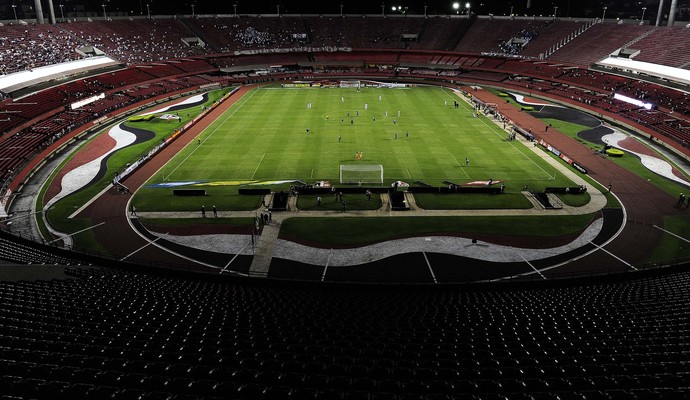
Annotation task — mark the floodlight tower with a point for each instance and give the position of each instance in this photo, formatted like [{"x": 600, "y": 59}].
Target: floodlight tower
[
  {"x": 555, "y": 12},
  {"x": 62, "y": 13},
  {"x": 14, "y": 8},
  {"x": 341, "y": 9},
  {"x": 383, "y": 10},
  {"x": 425, "y": 6},
  {"x": 193, "y": 5},
  {"x": 468, "y": 6},
  {"x": 456, "y": 7},
  {"x": 603, "y": 16},
  {"x": 642, "y": 19},
  {"x": 672, "y": 12},
  {"x": 660, "y": 13},
  {"x": 51, "y": 12},
  {"x": 148, "y": 11},
  {"x": 105, "y": 16},
  {"x": 234, "y": 6},
  {"x": 39, "y": 11}
]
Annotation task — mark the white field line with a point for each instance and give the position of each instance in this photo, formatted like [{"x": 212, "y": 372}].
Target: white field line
[
  {"x": 209, "y": 135},
  {"x": 499, "y": 134},
  {"x": 257, "y": 166}
]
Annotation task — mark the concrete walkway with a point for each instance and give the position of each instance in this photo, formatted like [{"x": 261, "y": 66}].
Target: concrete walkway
[{"x": 263, "y": 252}]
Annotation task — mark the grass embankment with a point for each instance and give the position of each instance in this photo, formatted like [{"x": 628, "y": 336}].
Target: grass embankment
[
  {"x": 628, "y": 161},
  {"x": 58, "y": 216},
  {"x": 356, "y": 231},
  {"x": 673, "y": 245}
]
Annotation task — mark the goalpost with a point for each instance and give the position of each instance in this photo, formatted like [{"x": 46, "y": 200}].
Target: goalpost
[
  {"x": 361, "y": 173},
  {"x": 350, "y": 84}
]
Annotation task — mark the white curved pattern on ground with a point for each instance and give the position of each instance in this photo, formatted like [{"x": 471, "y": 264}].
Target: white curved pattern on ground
[
  {"x": 521, "y": 99},
  {"x": 654, "y": 164},
  {"x": 80, "y": 176},
  {"x": 234, "y": 244},
  {"x": 221, "y": 243},
  {"x": 194, "y": 99}
]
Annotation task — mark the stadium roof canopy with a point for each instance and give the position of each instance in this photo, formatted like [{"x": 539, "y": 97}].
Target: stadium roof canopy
[
  {"x": 24, "y": 79},
  {"x": 638, "y": 67}
]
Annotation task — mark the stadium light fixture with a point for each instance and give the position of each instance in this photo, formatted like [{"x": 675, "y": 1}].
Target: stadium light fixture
[
  {"x": 234, "y": 6},
  {"x": 14, "y": 8},
  {"x": 636, "y": 102},
  {"x": 468, "y": 6},
  {"x": 643, "y": 11},
  {"x": 555, "y": 12},
  {"x": 603, "y": 16},
  {"x": 383, "y": 10},
  {"x": 148, "y": 11},
  {"x": 104, "y": 14},
  {"x": 62, "y": 13},
  {"x": 193, "y": 5},
  {"x": 456, "y": 7},
  {"x": 341, "y": 9}
]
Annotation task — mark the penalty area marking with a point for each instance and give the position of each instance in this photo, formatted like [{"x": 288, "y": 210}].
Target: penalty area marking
[
  {"x": 257, "y": 166},
  {"x": 459, "y": 165}
]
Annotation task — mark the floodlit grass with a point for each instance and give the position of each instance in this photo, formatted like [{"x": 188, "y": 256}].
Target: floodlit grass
[
  {"x": 575, "y": 200},
  {"x": 361, "y": 231},
  {"x": 262, "y": 140},
  {"x": 263, "y": 137}
]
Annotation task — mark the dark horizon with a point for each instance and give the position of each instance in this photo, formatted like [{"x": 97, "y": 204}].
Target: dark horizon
[{"x": 564, "y": 8}]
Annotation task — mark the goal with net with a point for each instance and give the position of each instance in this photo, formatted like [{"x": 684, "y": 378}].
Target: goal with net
[
  {"x": 361, "y": 173},
  {"x": 350, "y": 84}
]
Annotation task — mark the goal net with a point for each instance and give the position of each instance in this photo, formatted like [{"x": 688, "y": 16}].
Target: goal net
[
  {"x": 361, "y": 173},
  {"x": 350, "y": 84}
]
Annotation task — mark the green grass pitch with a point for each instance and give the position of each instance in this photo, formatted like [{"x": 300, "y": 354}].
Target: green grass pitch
[{"x": 264, "y": 137}]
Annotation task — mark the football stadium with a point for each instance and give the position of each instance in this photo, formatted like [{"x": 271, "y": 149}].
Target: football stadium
[{"x": 344, "y": 201}]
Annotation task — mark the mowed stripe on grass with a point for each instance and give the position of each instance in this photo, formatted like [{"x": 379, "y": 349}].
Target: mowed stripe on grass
[{"x": 265, "y": 137}]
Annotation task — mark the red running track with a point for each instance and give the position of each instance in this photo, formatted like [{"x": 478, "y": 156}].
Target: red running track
[{"x": 116, "y": 235}]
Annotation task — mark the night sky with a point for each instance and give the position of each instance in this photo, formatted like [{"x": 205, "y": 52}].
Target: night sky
[{"x": 94, "y": 8}]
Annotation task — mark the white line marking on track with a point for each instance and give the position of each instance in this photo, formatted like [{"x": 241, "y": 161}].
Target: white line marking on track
[
  {"x": 613, "y": 255},
  {"x": 530, "y": 264},
  {"x": 140, "y": 248},
  {"x": 325, "y": 268},
  {"x": 428, "y": 264}
]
